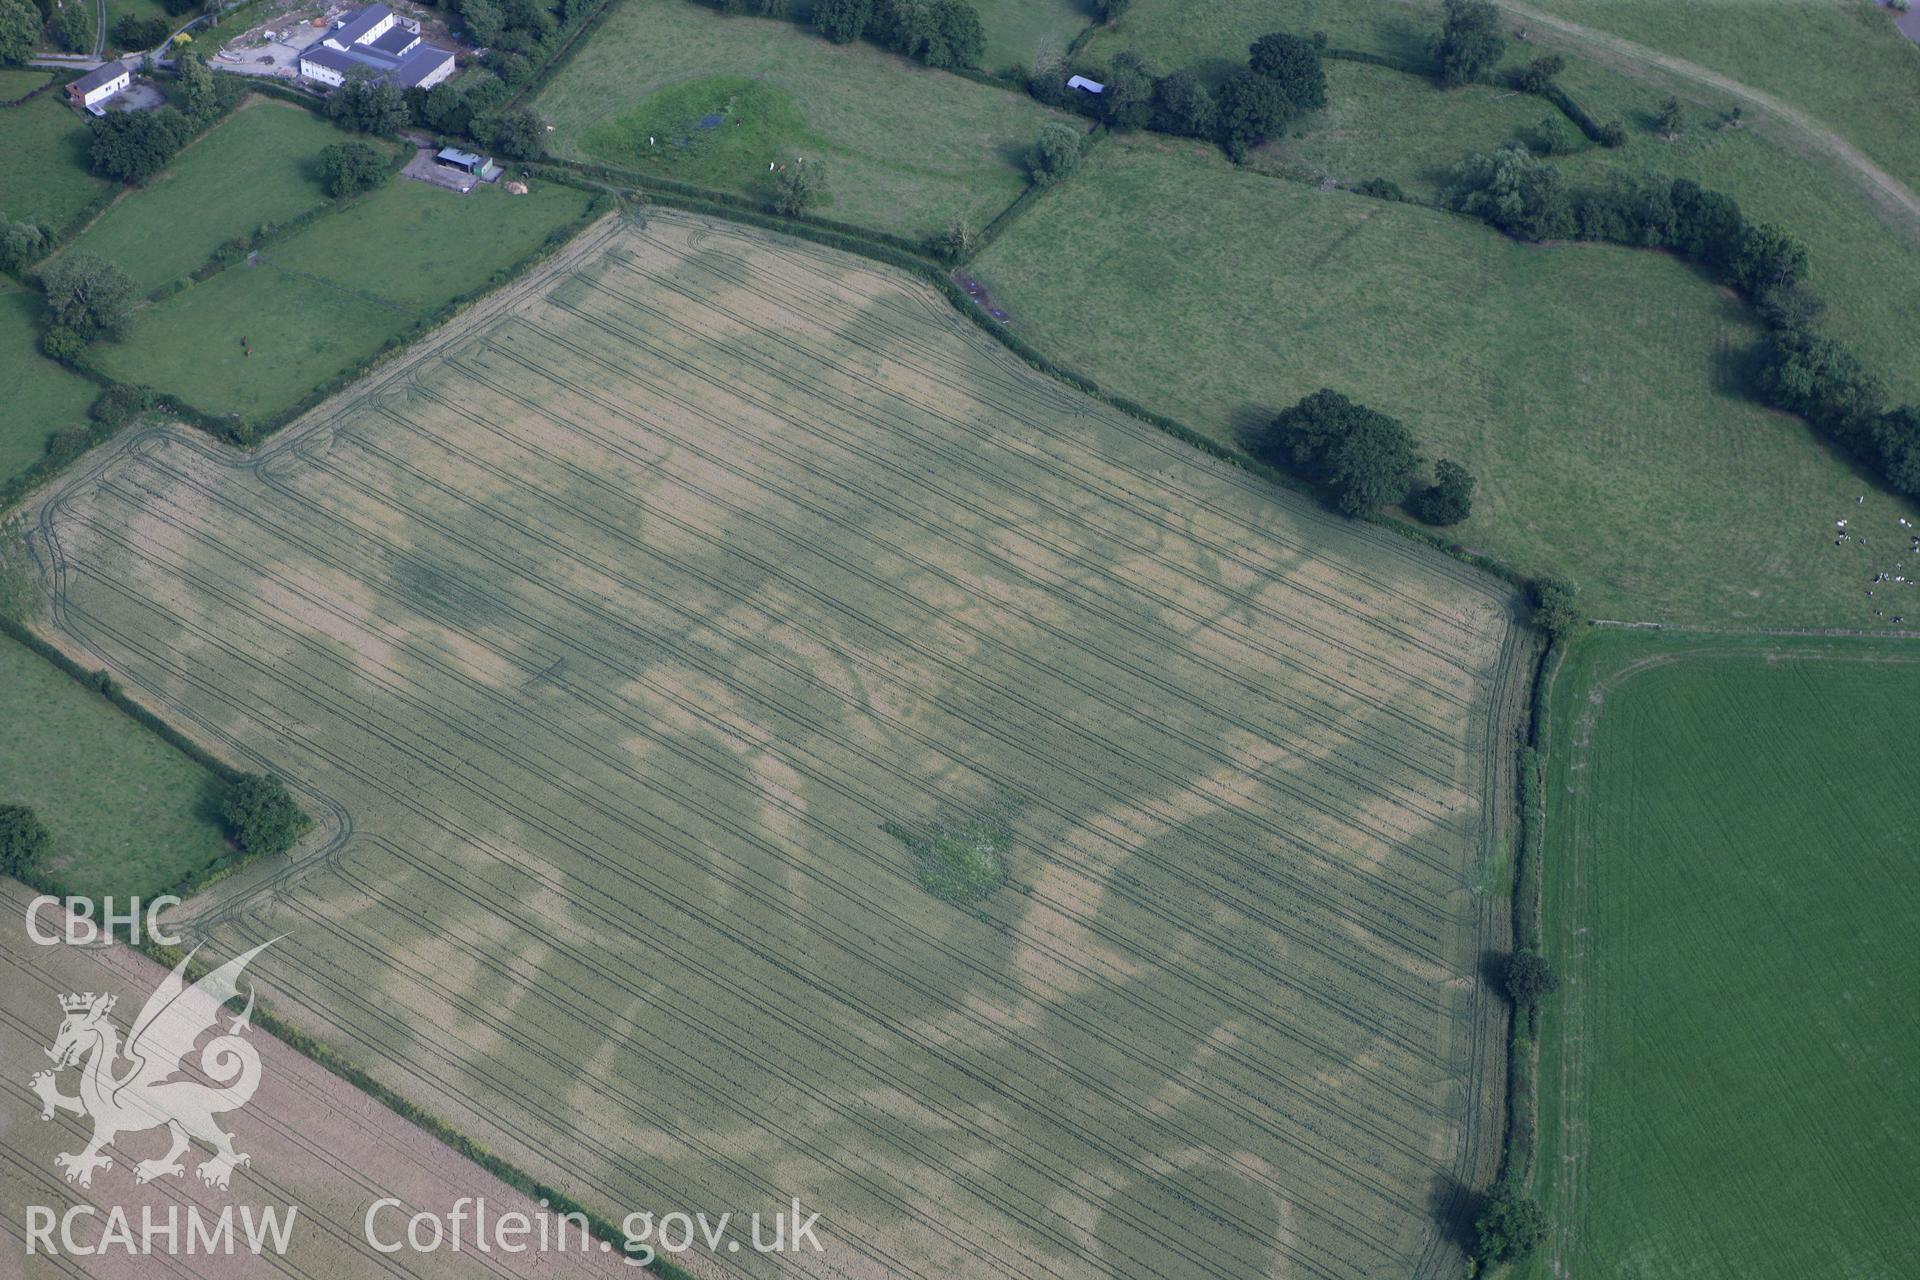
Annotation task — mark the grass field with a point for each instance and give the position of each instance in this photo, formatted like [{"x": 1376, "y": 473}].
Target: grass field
[
  {"x": 1840, "y": 61},
  {"x": 804, "y": 751},
  {"x": 1210, "y": 37},
  {"x": 128, "y": 813},
  {"x": 328, "y": 296},
  {"x": 41, "y": 397},
  {"x": 1381, "y": 123},
  {"x": 44, "y": 139},
  {"x": 18, "y": 82},
  {"x": 907, "y": 147},
  {"x": 260, "y": 165},
  {"x": 1019, "y": 29},
  {"x": 1729, "y": 1089},
  {"x": 1595, "y": 391}
]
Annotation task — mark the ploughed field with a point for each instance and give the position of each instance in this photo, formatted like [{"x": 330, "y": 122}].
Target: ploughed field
[{"x": 646, "y": 638}]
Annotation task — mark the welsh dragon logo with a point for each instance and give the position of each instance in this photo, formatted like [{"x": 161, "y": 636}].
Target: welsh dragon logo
[{"x": 153, "y": 1090}]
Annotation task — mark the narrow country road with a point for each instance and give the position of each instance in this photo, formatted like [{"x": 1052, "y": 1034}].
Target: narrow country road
[{"x": 1604, "y": 46}]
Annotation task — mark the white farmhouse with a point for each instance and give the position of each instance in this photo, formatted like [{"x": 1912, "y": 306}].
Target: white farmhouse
[
  {"x": 380, "y": 41},
  {"x": 99, "y": 84}
]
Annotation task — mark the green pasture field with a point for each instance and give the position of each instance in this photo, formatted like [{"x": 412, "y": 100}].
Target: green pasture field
[
  {"x": 1382, "y": 123},
  {"x": 40, "y": 397},
  {"x": 18, "y": 82},
  {"x": 260, "y": 165},
  {"x": 1865, "y": 268},
  {"x": 864, "y": 768},
  {"x": 327, "y": 297},
  {"x": 128, "y": 813},
  {"x": 1019, "y": 29},
  {"x": 908, "y": 147},
  {"x": 46, "y": 140},
  {"x": 1727, "y": 1088},
  {"x": 1210, "y": 37},
  {"x": 1840, "y": 61},
  {"x": 1596, "y": 391}
]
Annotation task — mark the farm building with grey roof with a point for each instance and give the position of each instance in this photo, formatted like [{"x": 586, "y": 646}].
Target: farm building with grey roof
[{"x": 380, "y": 42}]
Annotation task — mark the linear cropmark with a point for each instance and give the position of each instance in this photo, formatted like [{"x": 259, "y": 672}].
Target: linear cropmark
[{"x": 776, "y": 743}]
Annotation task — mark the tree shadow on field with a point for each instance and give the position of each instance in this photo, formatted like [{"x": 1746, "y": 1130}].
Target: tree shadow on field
[
  {"x": 1493, "y": 967},
  {"x": 1249, "y": 423},
  {"x": 1454, "y": 1205},
  {"x": 1735, "y": 368}
]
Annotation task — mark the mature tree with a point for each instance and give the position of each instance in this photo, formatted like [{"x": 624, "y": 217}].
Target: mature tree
[
  {"x": 194, "y": 88},
  {"x": 1182, "y": 105},
  {"x": 1667, "y": 120},
  {"x": 19, "y": 28},
  {"x": 20, "y": 243},
  {"x": 1471, "y": 41},
  {"x": 1808, "y": 373},
  {"x": 1538, "y": 76},
  {"x": 22, "y": 838},
  {"x": 956, "y": 240},
  {"x": 1110, "y": 10},
  {"x": 518, "y": 133},
  {"x": 1449, "y": 499},
  {"x": 72, "y": 27},
  {"x": 1127, "y": 102},
  {"x": 799, "y": 188},
  {"x": 368, "y": 104},
  {"x": 1365, "y": 457},
  {"x": 483, "y": 22},
  {"x": 1707, "y": 226},
  {"x": 87, "y": 294},
  {"x": 1613, "y": 134},
  {"x": 1510, "y": 1227},
  {"x": 118, "y": 405},
  {"x": 842, "y": 21},
  {"x": 1552, "y": 135},
  {"x": 350, "y": 167},
  {"x": 1252, "y": 108},
  {"x": 1764, "y": 257},
  {"x": 1514, "y": 190},
  {"x": 955, "y": 36},
  {"x": 1554, "y": 609},
  {"x": 262, "y": 815},
  {"x": 1529, "y": 979},
  {"x": 1896, "y": 437},
  {"x": 1294, "y": 61},
  {"x": 1054, "y": 153},
  {"x": 131, "y": 31}
]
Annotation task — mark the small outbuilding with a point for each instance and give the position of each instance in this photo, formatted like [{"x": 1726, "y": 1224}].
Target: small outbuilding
[
  {"x": 1090, "y": 86},
  {"x": 467, "y": 162},
  {"x": 98, "y": 85}
]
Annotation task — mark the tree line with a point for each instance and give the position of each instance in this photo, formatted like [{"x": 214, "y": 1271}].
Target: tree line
[{"x": 1802, "y": 369}]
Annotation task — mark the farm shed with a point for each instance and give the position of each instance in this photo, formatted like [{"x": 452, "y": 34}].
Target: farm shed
[{"x": 467, "y": 162}]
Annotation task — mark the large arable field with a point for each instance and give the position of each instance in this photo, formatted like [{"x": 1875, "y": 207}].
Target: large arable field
[
  {"x": 127, "y": 812},
  {"x": 1596, "y": 391},
  {"x": 907, "y": 147},
  {"x": 321, "y": 301},
  {"x": 773, "y": 742},
  {"x": 1728, "y": 1079},
  {"x": 258, "y": 166}
]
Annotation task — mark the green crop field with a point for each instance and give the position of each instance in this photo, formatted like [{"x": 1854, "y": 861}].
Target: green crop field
[
  {"x": 1840, "y": 61},
  {"x": 259, "y": 166},
  {"x": 1594, "y": 390},
  {"x": 128, "y": 813},
  {"x": 324, "y": 299},
  {"x": 45, "y": 139},
  {"x": 40, "y": 397},
  {"x": 778, "y": 743},
  {"x": 1728, "y": 1089},
  {"x": 907, "y": 147}
]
